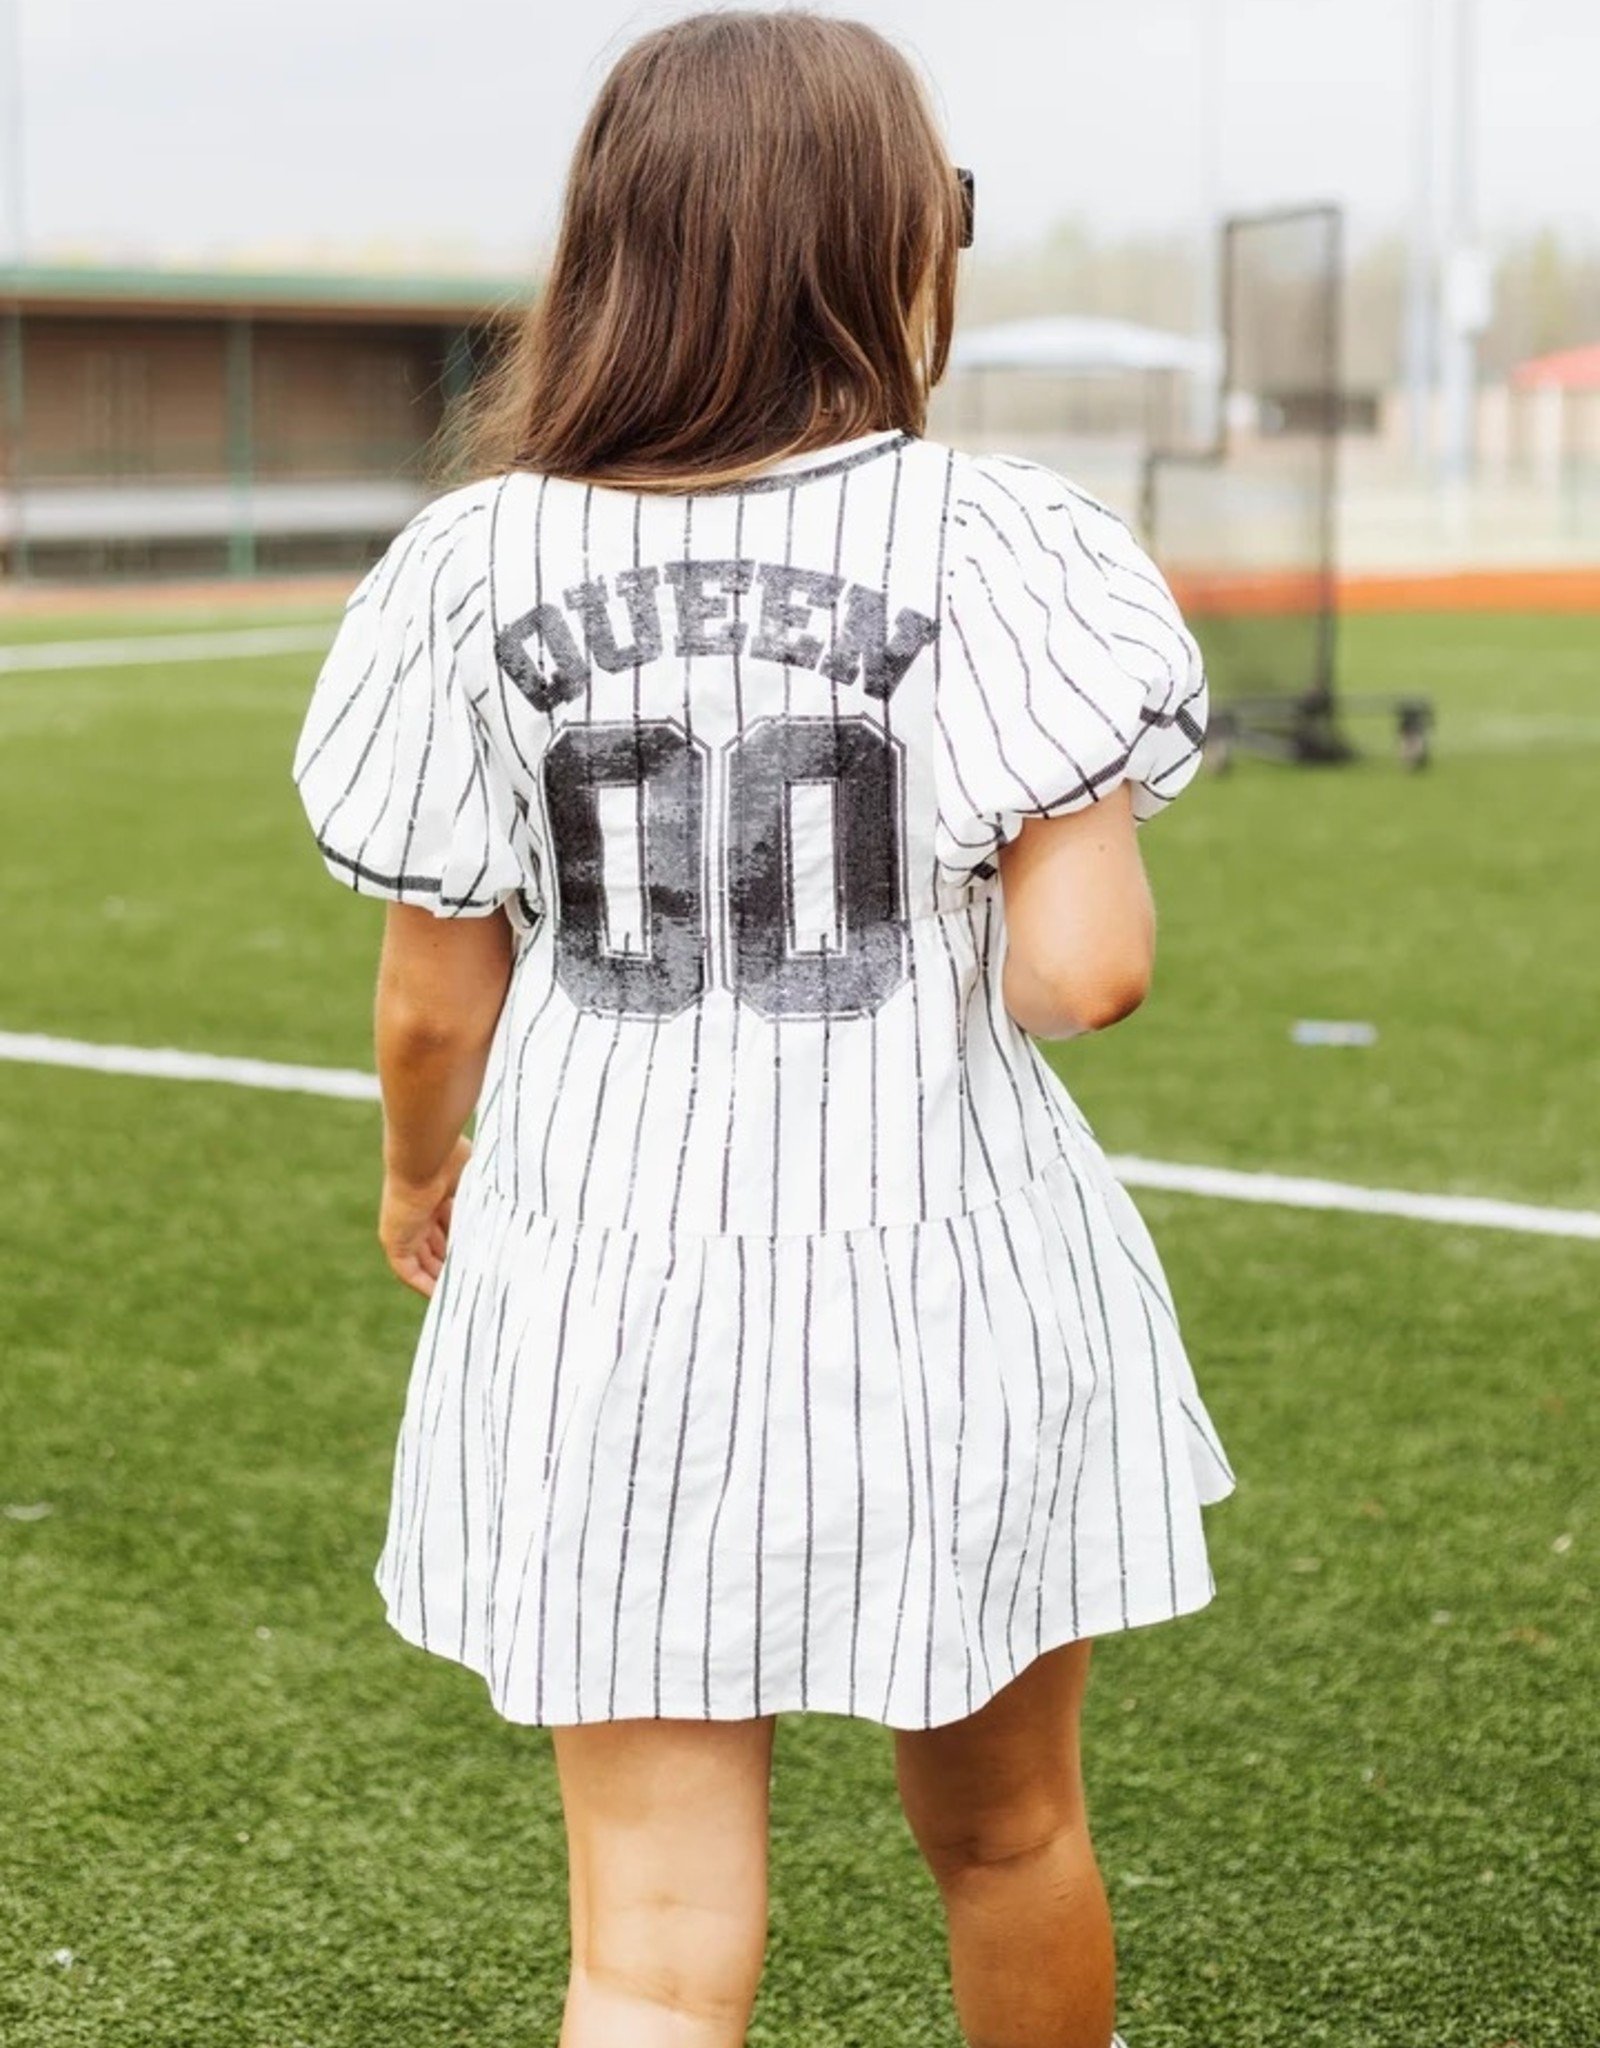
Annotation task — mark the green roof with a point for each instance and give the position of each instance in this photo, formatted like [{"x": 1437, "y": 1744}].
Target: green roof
[{"x": 374, "y": 291}]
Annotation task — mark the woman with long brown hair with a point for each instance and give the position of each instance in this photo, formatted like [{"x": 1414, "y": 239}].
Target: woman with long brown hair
[{"x": 751, "y": 780}]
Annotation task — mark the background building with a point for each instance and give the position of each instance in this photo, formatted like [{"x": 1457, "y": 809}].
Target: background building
[{"x": 162, "y": 421}]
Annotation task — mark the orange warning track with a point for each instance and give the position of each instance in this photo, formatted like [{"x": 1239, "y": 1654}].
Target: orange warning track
[
  {"x": 220, "y": 593},
  {"x": 1274, "y": 592},
  {"x": 1278, "y": 592},
  {"x": 1475, "y": 590}
]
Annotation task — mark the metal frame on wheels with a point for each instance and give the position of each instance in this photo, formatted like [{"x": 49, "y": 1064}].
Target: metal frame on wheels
[{"x": 1276, "y": 702}]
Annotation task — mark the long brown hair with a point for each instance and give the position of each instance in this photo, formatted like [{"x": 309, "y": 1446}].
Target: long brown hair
[{"x": 757, "y": 257}]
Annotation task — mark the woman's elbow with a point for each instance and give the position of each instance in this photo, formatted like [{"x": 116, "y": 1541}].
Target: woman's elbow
[
  {"x": 424, "y": 1033},
  {"x": 1067, "y": 1003},
  {"x": 1108, "y": 1001}
]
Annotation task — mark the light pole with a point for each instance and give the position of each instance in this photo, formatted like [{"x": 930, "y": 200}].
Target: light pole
[
  {"x": 12, "y": 164},
  {"x": 1422, "y": 256},
  {"x": 1466, "y": 279},
  {"x": 13, "y": 154},
  {"x": 1205, "y": 423}
]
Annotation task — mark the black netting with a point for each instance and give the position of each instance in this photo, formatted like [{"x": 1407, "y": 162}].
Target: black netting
[{"x": 1246, "y": 528}]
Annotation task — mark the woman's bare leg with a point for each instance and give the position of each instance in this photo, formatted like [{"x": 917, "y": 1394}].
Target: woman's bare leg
[
  {"x": 667, "y": 1849},
  {"x": 995, "y": 1802}
]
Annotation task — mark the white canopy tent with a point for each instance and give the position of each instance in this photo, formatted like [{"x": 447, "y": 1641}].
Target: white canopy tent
[
  {"x": 1087, "y": 395},
  {"x": 1076, "y": 344}
]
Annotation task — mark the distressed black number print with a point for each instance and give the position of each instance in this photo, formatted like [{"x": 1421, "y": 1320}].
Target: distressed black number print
[
  {"x": 817, "y": 936},
  {"x": 812, "y": 866},
  {"x": 640, "y": 788}
]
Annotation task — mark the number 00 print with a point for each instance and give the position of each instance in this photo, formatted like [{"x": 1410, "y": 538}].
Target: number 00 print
[{"x": 812, "y": 860}]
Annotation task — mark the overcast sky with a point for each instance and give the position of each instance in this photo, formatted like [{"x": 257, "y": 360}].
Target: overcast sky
[{"x": 359, "y": 129}]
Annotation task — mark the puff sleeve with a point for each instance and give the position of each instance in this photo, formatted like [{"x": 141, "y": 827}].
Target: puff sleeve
[
  {"x": 1066, "y": 667},
  {"x": 405, "y": 796}
]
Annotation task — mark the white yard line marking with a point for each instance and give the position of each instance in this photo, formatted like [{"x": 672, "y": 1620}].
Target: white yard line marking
[
  {"x": 161, "y": 1063},
  {"x": 1282, "y": 1190},
  {"x": 1297, "y": 1191},
  {"x": 1516, "y": 735},
  {"x": 153, "y": 649}
]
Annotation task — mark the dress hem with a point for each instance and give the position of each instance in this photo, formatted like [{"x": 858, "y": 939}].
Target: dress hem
[{"x": 1116, "y": 1620}]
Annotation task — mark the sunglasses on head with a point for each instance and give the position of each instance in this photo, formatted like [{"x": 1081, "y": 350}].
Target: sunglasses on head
[{"x": 965, "y": 180}]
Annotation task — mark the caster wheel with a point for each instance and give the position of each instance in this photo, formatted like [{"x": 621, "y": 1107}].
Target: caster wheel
[{"x": 1414, "y": 736}]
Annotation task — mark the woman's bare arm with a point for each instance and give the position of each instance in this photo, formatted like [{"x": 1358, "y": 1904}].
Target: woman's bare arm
[
  {"x": 1080, "y": 921},
  {"x": 441, "y": 986}
]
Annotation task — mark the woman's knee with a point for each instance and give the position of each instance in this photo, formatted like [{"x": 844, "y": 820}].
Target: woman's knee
[
  {"x": 999, "y": 1839},
  {"x": 1003, "y": 1784}
]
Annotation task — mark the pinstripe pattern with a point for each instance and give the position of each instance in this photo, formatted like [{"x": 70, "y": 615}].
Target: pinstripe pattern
[
  {"x": 792, "y": 1352},
  {"x": 736, "y": 669},
  {"x": 1021, "y": 1569}
]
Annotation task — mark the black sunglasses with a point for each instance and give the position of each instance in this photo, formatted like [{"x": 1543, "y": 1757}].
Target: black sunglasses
[{"x": 965, "y": 181}]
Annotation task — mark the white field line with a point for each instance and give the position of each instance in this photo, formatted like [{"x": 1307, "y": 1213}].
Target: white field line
[
  {"x": 1516, "y": 735},
  {"x": 152, "y": 649},
  {"x": 1291, "y": 1191},
  {"x": 1297, "y": 1191},
  {"x": 160, "y": 1063}
]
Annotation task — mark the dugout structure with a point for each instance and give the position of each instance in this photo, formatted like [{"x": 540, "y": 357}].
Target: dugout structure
[
  {"x": 172, "y": 422},
  {"x": 1245, "y": 527}
]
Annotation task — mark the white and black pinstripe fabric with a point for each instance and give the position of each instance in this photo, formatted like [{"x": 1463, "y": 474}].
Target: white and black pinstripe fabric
[{"x": 795, "y": 1347}]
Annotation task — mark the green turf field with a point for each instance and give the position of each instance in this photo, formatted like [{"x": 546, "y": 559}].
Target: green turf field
[{"x": 1350, "y": 1804}]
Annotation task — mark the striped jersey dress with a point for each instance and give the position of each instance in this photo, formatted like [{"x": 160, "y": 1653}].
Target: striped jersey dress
[{"x": 795, "y": 1347}]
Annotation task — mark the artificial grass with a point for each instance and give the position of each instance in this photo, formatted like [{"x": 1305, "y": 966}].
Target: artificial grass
[{"x": 1346, "y": 1804}]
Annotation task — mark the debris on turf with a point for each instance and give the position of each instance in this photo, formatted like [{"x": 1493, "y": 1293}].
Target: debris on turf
[{"x": 1327, "y": 1031}]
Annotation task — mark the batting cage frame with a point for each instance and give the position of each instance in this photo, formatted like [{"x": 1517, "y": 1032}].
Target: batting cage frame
[{"x": 1246, "y": 526}]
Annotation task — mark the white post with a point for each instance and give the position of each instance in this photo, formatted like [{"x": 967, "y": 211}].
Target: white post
[
  {"x": 1422, "y": 255},
  {"x": 13, "y": 154},
  {"x": 1465, "y": 281},
  {"x": 13, "y": 238},
  {"x": 1549, "y": 434},
  {"x": 1205, "y": 421}
]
